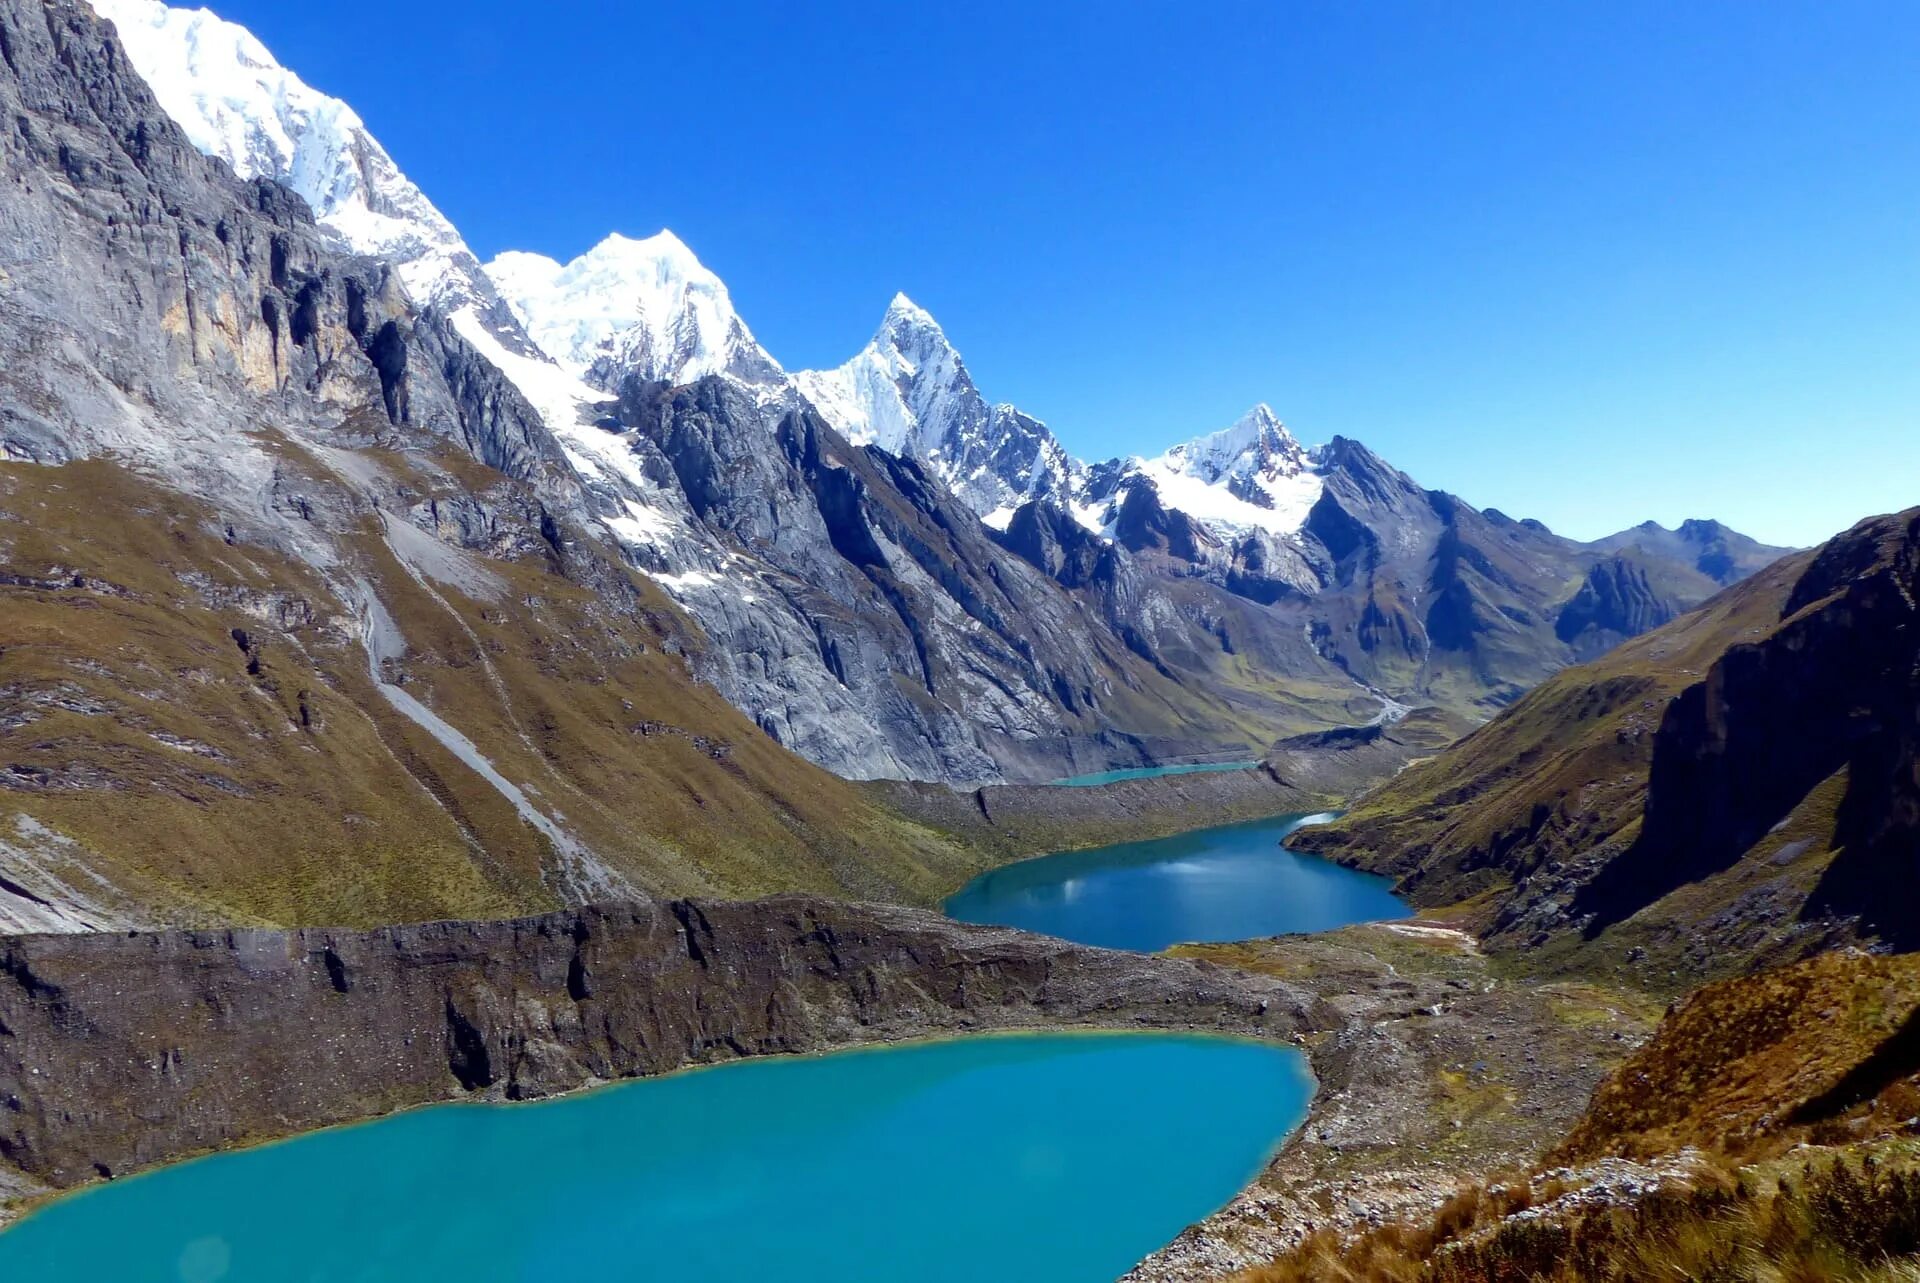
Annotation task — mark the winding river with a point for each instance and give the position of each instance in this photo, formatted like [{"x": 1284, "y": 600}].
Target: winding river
[
  {"x": 1023, "y": 1159},
  {"x": 1233, "y": 882}
]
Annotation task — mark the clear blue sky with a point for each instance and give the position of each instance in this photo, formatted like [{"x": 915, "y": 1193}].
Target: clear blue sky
[{"x": 1587, "y": 262}]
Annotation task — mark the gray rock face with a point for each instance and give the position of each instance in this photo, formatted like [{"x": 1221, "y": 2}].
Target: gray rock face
[
  {"x": 1617, "y": 600},
  {"x": 160, "y": 310},
  {"x": 862, "y": 615},
  {"x": 119, "y": 1052}
]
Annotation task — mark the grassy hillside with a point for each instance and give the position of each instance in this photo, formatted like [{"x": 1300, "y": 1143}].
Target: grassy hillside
[
  {"x": 191, "y": 731},
  {"x": 1824, "y": 1051}
]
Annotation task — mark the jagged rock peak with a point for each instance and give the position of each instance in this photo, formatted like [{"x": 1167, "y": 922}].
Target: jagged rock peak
[
  {"x": 909, "y": 392},
  {"x": 903, "y": 312},
  {"x": 1257, "y": 442},
  {"x": 235, "y": 101},
  {"x": 904, "y": 390},
  {"x": 642, "y": 306}
]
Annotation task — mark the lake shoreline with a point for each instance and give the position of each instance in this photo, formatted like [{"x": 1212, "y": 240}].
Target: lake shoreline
[
  {"x": 122, "y": 1060},
  {"x": 1384, "y": 1015},
  {"x": 16, "y": 1211},
  {"x": 667, "y": 1117}
]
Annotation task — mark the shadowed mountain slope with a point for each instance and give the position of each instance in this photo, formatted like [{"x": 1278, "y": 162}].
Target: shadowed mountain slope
[{"x": 1737, "y": 785}]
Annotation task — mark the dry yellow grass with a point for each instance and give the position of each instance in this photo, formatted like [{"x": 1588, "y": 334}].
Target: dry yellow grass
[{"x": 274, "y": 784}]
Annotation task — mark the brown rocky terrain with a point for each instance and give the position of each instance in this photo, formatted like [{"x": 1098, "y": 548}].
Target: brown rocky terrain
[
  {"x": 1436, "y": 1067},
  {"x": 1768, "y": 1129}
]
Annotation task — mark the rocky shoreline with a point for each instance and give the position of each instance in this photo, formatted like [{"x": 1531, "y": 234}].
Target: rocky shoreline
[
  {"x": 1306, "y": 773},
  {"x": 1436, "y": 1068}
]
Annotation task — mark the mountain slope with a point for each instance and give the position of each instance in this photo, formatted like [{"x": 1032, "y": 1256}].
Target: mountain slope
[
  {"x": 1737, "y": 786},
  {"x": 307, "y": 616}
]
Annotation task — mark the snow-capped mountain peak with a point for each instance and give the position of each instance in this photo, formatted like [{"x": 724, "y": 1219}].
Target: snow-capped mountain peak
[
  {"x": 909, "y": 392},
  {"x": 648, "y": 306},
  {"x": 644, "y": 306},
  {"x": 906, "y": 391},
  {"x": 1258, "y": 445},
  {"x": 1251, "y": 476},
  {"x": 235, "y": 101},
  {"x": 904, "y": 314}
]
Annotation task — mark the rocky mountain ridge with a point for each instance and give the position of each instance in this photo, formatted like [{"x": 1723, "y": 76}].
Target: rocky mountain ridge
[
  {"x": 1735, "y": 788},
  {"x": 1391, "y": 598}
]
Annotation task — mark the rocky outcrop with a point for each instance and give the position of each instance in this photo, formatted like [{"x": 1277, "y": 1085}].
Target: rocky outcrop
[
  {"x": 160, "y": 308},
  {"x": 118, "y": 1052}
]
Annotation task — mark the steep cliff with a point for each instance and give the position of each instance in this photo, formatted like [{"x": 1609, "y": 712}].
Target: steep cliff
[{"x": 119, "y": 1052}]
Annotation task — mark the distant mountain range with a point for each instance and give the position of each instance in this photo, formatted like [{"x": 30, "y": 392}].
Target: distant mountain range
[
  {"x": 527, "y": 568},
  {"x": 1267, "y": 587}
]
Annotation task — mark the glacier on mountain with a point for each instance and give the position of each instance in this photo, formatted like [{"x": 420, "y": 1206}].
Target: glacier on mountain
[
  {"x": 1251, "y": 477},
  {"x": 235, "y": 101},
  {"x": 645, "y": 307}
]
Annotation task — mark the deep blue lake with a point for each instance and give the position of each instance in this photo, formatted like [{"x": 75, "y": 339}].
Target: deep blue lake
[
  {"x": 1054, "y": 1158},
  {"x": 1234, "y": 882}
]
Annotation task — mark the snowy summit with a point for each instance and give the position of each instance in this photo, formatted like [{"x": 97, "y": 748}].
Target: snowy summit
[
  {"x": 236, "y": 102},
  {"x": 646, "y": 307}
]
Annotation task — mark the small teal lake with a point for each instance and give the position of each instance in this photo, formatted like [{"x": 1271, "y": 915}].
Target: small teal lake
[
  {"x": 1054, "y": 1158},
  {"x": 1234, "y": 882},
  {"x": 1147, "y": 772}
]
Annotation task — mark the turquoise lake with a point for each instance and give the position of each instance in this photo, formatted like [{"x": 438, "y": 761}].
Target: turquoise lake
[
  {"x": 1054, "y": 1158},
  {"x": 1146, "y": 772},
  {"x": 1234, "y": 882}
]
